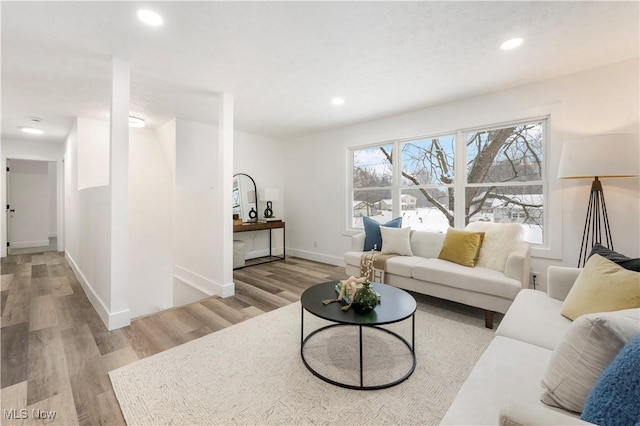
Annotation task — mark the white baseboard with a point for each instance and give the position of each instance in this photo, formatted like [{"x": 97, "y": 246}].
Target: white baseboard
[
  {"x": 202, "y": 284},
  {"x": 316, "y": 257},
  {"x": 28, "y": 244},
  {"x": 112, "y": 320},
  {"x": 53, "y": 234}
]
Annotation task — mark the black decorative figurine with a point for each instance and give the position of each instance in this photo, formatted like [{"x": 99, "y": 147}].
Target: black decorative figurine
[{"x": 268, "y": 212}]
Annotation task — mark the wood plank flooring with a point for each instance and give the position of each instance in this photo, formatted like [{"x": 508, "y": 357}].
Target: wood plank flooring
[{"x": 56, "y": 353}]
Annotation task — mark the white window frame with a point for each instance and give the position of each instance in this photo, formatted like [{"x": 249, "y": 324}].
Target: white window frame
[{"x": 552, "y": 211}]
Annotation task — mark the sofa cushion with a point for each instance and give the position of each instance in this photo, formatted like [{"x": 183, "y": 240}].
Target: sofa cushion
[
  {"x": 426, "y": 244},
  {"x": 402, "y": 265},
  {"x": 508, "y": 369},
  {"x": 622, "y": 260},
  {"x": 523, "y": 413},
  {"x": 396, "y": 241},
  {"x": 602, "y": 286},
  {"x": 615, "y": 397},
  {"x": 373, "y": 237},
  {"x": 535, "y": 318},
  {"x": 462, "y": 247},
  {"x": 478, "y": 279},
  {"x": 589, "y": 345},
  {"x": 500, "y": 239}
]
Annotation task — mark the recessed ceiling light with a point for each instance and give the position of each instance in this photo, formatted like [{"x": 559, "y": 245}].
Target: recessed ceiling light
[
  {"x": 135, "y": 121},
  {"x": 337, "y": 101},
  {"x": 149, "y": 17},
  {"x": 31, "y": 130},
  {"x": 511, "y": 43}
]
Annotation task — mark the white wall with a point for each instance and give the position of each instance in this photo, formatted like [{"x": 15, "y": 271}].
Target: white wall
[
  {"x": 87, "y": 231},
  {"x": 29, "y": 193},
  {"x": 197, "y": 230},
  {"x": 53, "y": 198},
  {"x": 603, "y": 100},
  {"x": 93, "y": 153},
  {"x": 29, "y": 150},
  {"x": 261, "y": 158},
  {"x": 150, "y": 225}
]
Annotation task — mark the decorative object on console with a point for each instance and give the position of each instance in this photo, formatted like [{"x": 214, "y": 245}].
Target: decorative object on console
[
  {"x": 462, "y": 247},
  {"x": 602, "y": 286},
  {"x": 253, "y": 214},
  {"x": 373, "y": 237},
  {"x": 270, "y": 195},
  {"x": 596, "y": 157}
]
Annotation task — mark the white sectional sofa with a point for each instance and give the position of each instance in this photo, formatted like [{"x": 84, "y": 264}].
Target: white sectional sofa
[
  {"x": 504, "y": 386},
  {"x": 424, "y": 273}
]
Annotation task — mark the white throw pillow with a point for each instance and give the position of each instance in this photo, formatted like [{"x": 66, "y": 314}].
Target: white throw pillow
[
  {"x": 396, "y": 241},
  {"x": 500, "y": 239},
  {"x": 590, "y": 343}
]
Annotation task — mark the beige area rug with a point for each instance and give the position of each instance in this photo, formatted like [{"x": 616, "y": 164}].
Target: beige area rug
[{"x": 252, "y": 373}]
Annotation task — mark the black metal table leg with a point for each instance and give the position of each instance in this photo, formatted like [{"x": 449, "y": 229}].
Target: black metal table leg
[{"x": 361, "y": 366}]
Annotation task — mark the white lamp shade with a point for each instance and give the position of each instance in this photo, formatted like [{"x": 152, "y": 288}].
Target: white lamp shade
[
  {"x": 607, "y": 156},
  {"x": 271, "y": 194}
]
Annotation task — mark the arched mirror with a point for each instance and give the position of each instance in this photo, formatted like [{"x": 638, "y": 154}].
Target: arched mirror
[{"x": 245, "y": 200}]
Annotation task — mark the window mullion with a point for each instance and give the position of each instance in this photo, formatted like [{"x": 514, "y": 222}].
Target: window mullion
[
  {"x": 460, "y": 174},
  {"x": 397, "y": 179}
]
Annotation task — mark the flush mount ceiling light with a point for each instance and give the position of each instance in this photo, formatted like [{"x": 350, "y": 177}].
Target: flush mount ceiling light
[
  {"x": 149, "y": 17},
  {"x": 511, "y": 43},
  {"x": 31, "y": 130},
  {"x": 337, "y": 101},
  {"x": 135, "y": 121}
]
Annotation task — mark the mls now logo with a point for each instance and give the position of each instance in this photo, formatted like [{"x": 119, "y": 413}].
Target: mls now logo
[{"x": 13, "y": 414}]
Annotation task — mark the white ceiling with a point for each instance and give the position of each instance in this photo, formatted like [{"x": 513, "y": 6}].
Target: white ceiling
[{"x": 284, "y": 61}]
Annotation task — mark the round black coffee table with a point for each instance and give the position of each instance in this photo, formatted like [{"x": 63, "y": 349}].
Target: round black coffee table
[{"x": 396, "y": 305}]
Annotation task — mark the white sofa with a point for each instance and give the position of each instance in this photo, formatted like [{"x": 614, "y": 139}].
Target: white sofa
[
  {"x": 424, "y": 273},
  {"x": 504, "y": 385}
]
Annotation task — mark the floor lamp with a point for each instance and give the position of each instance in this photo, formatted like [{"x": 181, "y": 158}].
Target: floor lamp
[{"x": 595, "y": 157}]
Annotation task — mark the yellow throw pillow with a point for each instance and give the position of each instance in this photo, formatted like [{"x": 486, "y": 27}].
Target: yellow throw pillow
[
  {"x": 461, "y": 247},
  {"x": 602, "y": 286}
]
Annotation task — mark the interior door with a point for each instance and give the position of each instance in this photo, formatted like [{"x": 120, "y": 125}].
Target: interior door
[{"x": 28, "y": 204}]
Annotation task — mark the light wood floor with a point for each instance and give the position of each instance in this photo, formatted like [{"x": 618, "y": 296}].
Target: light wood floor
[{"x": 56, "y": 352}]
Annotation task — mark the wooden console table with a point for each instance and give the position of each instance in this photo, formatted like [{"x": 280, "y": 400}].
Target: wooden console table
[{"x": 264, "y": 226}]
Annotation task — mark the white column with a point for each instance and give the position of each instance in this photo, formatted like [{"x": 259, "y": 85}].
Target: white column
[
  {"x": 225, "y": 178},
  {"x": 119, "y": 315}
]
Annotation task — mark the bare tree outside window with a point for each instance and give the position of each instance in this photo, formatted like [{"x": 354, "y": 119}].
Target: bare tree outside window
[{"x": 502, "y": 180}]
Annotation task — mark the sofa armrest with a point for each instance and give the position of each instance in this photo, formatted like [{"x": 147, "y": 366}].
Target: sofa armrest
[
  {"x": 518, "y": 264},
  {"x": 560, "y": 279},
  {"x": 357, "y": 242},
  {"x": 521, "y": 414}
]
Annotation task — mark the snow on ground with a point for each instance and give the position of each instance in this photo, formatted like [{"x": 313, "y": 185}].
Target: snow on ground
[{"x": 431, "y": 219}]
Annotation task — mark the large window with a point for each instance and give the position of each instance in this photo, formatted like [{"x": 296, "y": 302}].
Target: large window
[{"x": 448, "y": 180}]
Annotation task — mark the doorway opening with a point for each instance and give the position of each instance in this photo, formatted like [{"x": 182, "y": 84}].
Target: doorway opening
[{"x": 32, "y": 196}]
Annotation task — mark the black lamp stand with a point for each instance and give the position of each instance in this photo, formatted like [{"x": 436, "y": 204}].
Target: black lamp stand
[{"x": 596, "y": 223}]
